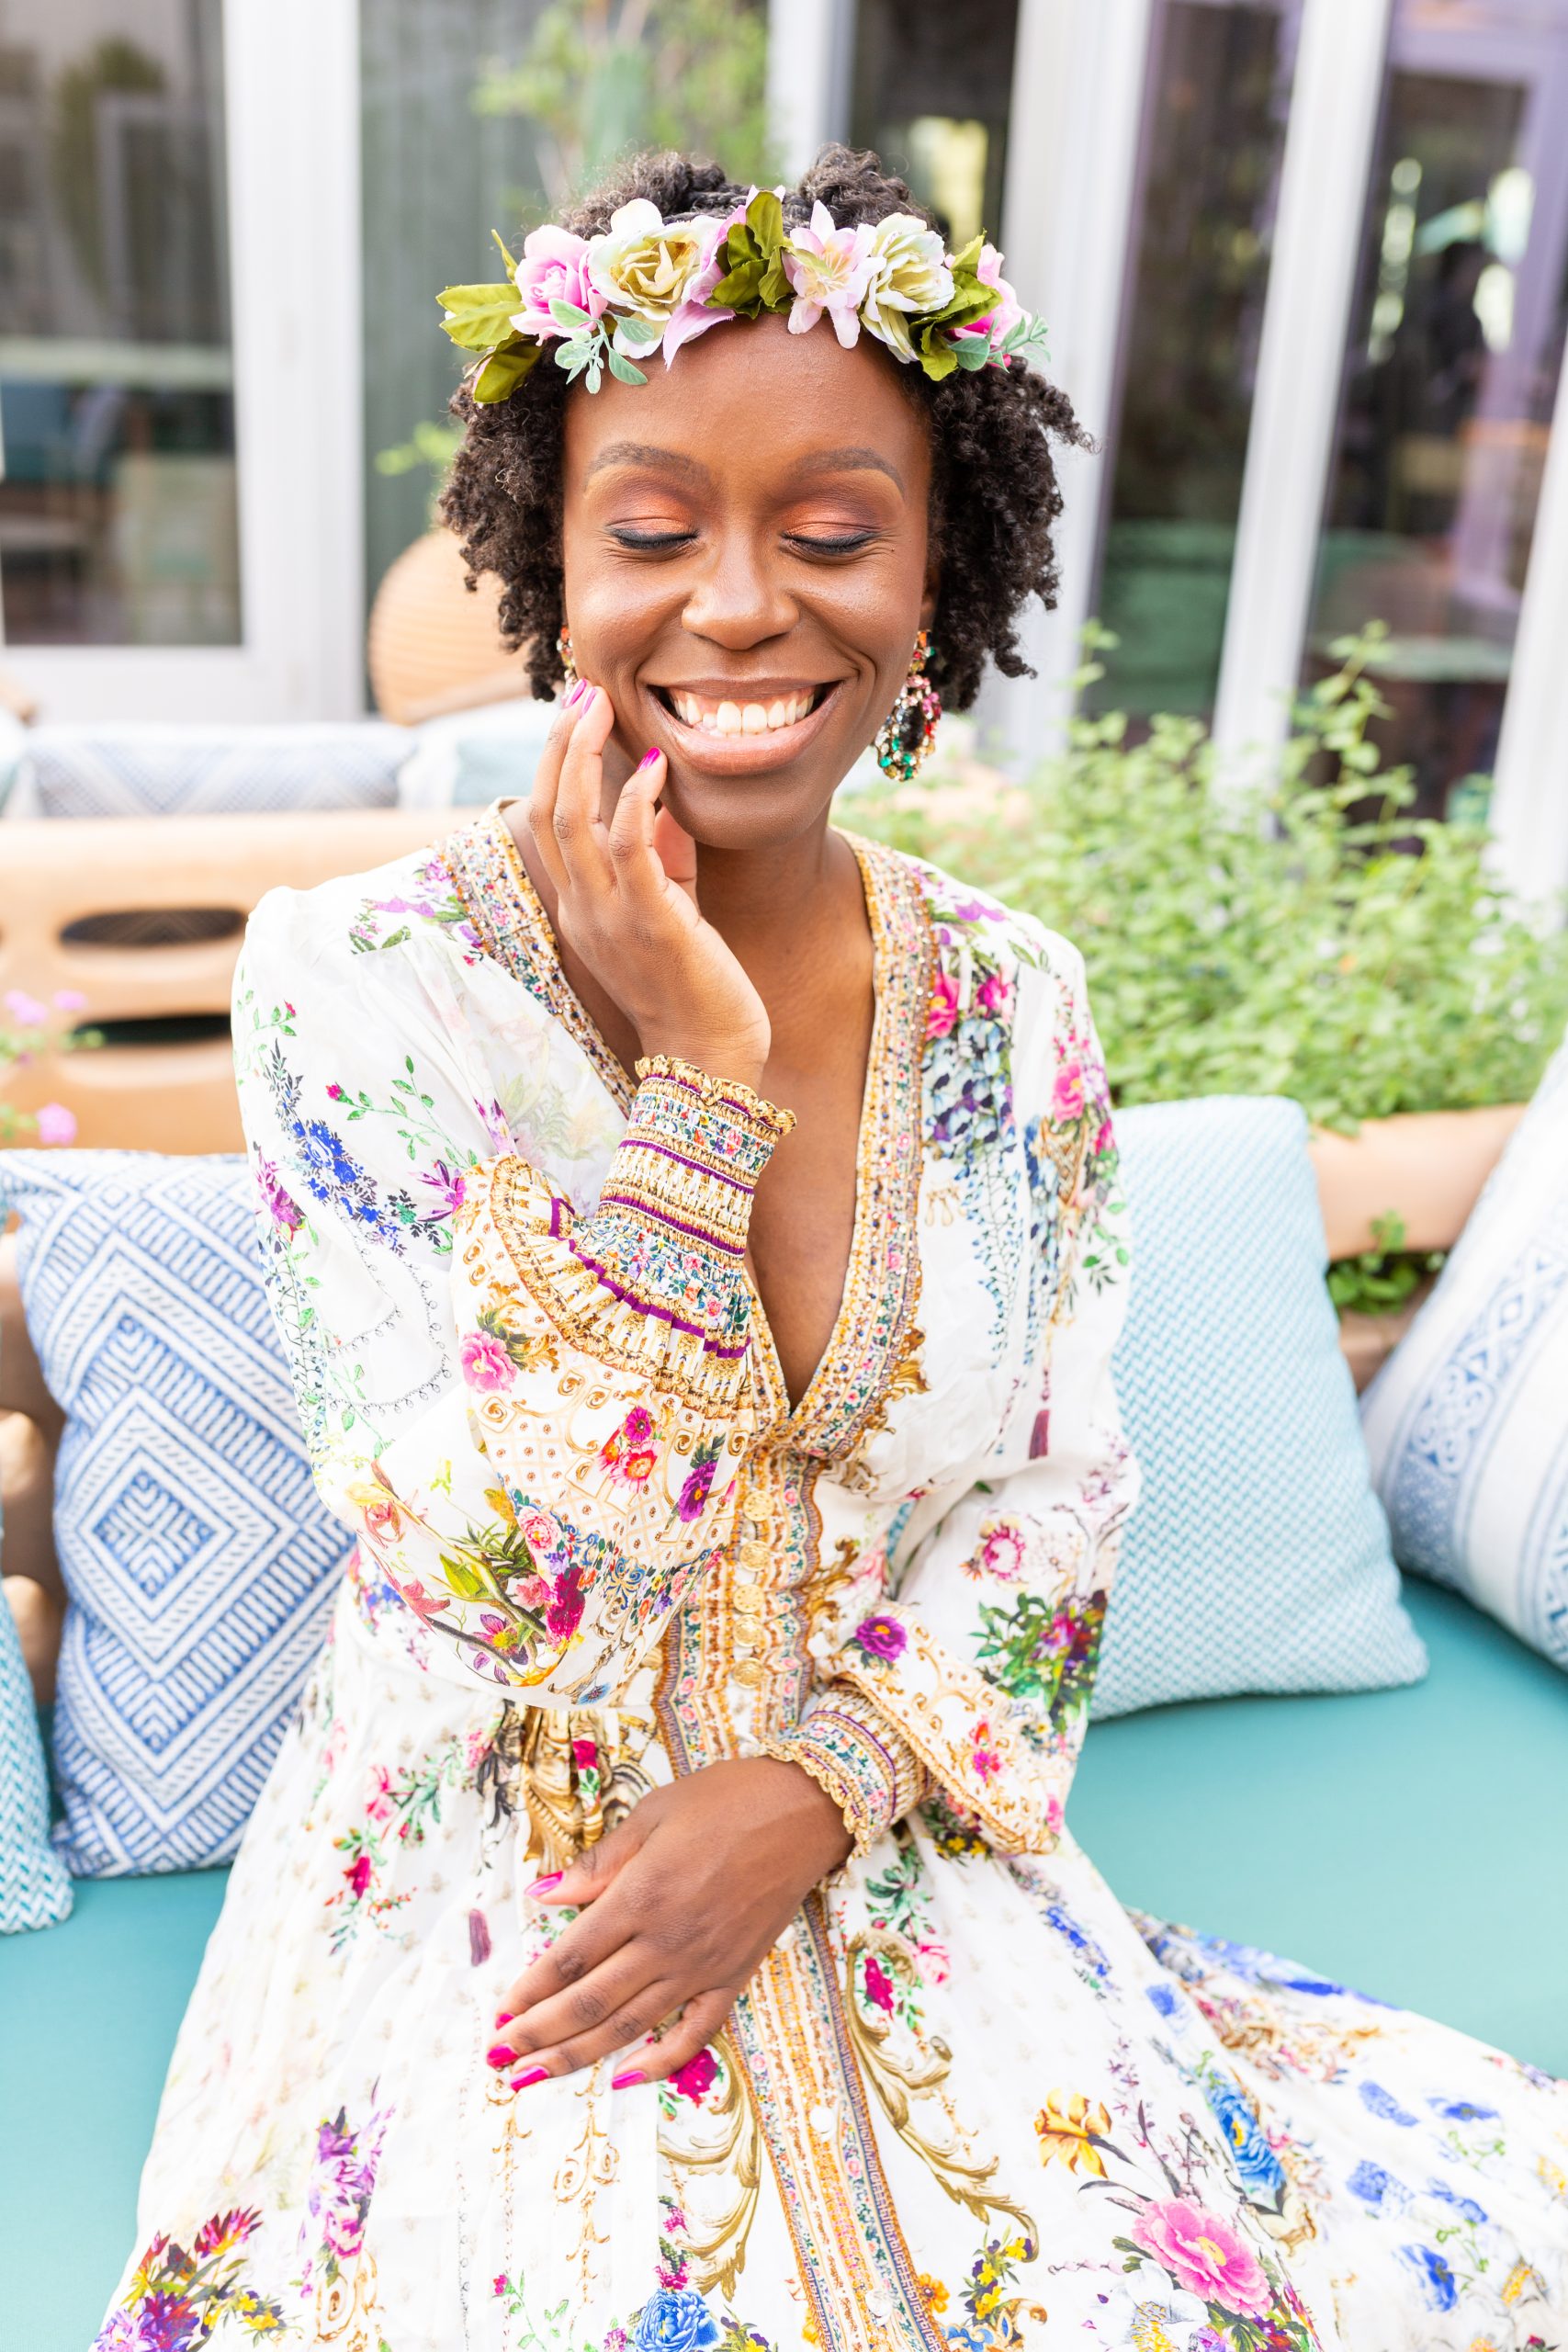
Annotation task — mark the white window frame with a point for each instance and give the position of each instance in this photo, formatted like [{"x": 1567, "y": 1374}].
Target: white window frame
[{"x": 291, "y": 91}]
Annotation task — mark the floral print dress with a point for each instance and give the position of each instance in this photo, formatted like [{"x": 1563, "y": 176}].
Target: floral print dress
[{"x": 969, "y": 2100}]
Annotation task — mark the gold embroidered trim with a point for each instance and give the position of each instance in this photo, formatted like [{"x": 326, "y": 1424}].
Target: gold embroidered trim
[{"x": 730, "y": 1093}]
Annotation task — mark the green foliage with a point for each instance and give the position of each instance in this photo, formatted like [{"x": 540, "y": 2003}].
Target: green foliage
[
  {"x": 600, "y": 78},
  {"x": 1273, "y": 939},
  {"x": 1384, "y": 1277}
]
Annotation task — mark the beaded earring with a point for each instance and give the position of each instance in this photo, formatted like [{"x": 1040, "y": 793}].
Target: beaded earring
[
  {"x": 569, "y": 667},
  {"x": 907, "y": 734}
]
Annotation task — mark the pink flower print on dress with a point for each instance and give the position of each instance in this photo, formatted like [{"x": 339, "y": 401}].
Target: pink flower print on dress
[
  {"x": 585, "y": 1755},
  {"x": 383, "y": 1521},
  {"x": 932, "y": 1963},
  {"x": 1067, "y": 1094},
  {"x": 1001, "y": 1551},
  {"x": 941, "y": 1013},
  {"x": 486, "y": 1363},
  {"x": 829, "y": 270},
  {"x": 553, "y": 267},
  {"x": 627, "y": 1454},
  {"x": 1204, "y": 2255},
  {"x": 878, "y": 1983},
  {"x": 277, "y": 1198},
  {"x": 358, "y": 1875},
  {"x": 696, "y": 2077},
  {"x": 696, "y": 1489},
  {"x": 539, "y": 1532},
  {"x": 499, "y": 1632},
  {"x": 879, "y": 1636},
  {"x": 991, "y": 996},
  {"x": 564, "y": 1613},
  {"x": 983, "y": 1756}
]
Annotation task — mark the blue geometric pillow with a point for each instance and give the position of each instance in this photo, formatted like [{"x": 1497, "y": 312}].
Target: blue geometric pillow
[
  {"x": 1258, "y": 1558},
  {"x": 199, "y": 1560},
  {"x": 34, "y": 1889}
]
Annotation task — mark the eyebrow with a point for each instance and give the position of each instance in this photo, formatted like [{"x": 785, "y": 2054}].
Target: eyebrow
[
  {"x": 672, "y": 461},
  {"x": 646, "y": 453}
]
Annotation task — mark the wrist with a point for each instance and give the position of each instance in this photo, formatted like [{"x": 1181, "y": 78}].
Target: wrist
[
  {"x": 814, "y": 1813},
  {"x": 731, "y": 1060}
]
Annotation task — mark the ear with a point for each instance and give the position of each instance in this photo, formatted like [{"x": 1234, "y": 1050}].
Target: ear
[{"x": 931, "y": 591}]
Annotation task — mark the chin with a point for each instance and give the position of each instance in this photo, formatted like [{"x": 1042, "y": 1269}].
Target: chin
[{"x": 752, "y": 813}]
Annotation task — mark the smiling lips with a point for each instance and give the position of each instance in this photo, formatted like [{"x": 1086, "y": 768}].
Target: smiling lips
[{"x": 727, "y": 718}]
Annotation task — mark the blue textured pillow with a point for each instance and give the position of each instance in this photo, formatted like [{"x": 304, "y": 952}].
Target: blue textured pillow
[
  {"x": 34, "y": 1890},
  {"x": 1258, "y": 1557},
  {"x": 148, "y": 768},
  {"x": 199, "y": 1560}
]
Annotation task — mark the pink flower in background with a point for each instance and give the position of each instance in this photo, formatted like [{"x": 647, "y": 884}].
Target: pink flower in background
[
  {"x": 486, "y": 1363},
  {"x": 941, "y": 1015},
  {"x": 1067, "y": 1094},
  {"x": 878, "y": 1983},
  {"x": 553, "y": 269},
  {"x": 696, "y": 2077},
  {"x": 70, "y": 1001},
  {"x": 1204, "y": 2255},
  {"x": 55, "y": 1124},
  {"x": 26, "y": 1010}
]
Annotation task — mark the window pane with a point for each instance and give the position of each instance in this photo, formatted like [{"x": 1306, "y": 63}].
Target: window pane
[
  {"x": 931, "y": 88},
  {"x": 1212, "y": 140},
  {"x": 118, "y": 516},
  {"x": 1457, "y": 342}
]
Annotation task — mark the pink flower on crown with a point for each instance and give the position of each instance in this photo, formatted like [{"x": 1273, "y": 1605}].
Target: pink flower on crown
[
  {"x": 1008, "y": 310},
  {"x": 554, "y": 269},
  {"x": 829, "y": 270}
]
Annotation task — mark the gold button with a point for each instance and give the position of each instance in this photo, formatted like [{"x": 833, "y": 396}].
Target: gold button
[
  {"x": 748, "y": 1670},
  {"x": 752, "y": 1555}
]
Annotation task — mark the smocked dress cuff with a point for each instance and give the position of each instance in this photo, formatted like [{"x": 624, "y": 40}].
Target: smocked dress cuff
[{"x": 847, "y": 1744}]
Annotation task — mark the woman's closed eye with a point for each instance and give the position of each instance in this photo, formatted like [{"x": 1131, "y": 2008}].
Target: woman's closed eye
[
  {"x": 843, "y": 542},
  {"x": 652, "y": 537}
]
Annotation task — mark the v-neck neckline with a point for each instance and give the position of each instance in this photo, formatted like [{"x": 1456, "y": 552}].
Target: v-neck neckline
[{"x": 871, "y": 1327}]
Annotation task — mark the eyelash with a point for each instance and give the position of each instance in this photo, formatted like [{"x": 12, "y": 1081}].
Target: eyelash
[{"x": 661, "y": 542}]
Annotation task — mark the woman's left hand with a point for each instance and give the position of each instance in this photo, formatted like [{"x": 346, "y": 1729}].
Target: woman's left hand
[{"x": 678, "y": 1906}]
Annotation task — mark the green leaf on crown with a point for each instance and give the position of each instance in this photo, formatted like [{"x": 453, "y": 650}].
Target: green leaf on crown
[
  {"x": 503, "y": 371},
  {"x": 477, "y": 317},
  {"x": 755, "y": 280}
]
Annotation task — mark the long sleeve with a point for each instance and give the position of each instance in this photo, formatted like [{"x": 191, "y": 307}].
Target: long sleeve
[
  {"x": 556, "y": 1469},
  {"x": 964, "y": 1679}
]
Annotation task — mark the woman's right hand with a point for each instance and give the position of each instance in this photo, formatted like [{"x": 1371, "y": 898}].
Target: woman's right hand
[{"x": 627, "y": 902}]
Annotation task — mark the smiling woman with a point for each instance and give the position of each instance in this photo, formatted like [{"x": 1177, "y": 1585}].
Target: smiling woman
[{"x": 659, "y": 1927}]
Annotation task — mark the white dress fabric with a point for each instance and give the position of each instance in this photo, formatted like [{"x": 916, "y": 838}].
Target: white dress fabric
[{"x": 968, "y": 2101}]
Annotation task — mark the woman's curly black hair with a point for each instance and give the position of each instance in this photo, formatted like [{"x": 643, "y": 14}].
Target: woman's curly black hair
[{"x": 995, "y": 499}]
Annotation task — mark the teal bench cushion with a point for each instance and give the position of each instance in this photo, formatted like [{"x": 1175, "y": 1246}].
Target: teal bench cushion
[{"x": 1390, "y": 1839}]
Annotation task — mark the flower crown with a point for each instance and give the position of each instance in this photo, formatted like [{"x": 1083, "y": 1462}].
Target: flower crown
[{"x": 647, "y": 284}]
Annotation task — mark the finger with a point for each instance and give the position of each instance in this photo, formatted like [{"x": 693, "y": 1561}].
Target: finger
[
  {"x": 700, "y": 2021},
  {"x": 611, "y": 2007},
  {"x": 578, "y": 818},
  {"x": 547, "y": 782},
  {"x": 592, "y": 1936},
  {"x": 677, "y": 853},
  {"x": 631, "y": 827}
]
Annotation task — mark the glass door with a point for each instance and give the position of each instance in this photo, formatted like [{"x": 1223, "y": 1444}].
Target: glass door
[
  {"x": 118, "y": 506},
  {"x": 1456, "y": 348}
]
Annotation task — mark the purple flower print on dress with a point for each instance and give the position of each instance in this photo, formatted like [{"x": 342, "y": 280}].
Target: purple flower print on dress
[
  {"x": 879, "y": 1636},
  {"x": 447, "y": 1185},
  {"x": 564, "y": 1613},
  {"x": 878, "y": 1983},
  {"x": 277, "y": 1198},
  {"x": 695, "y": 1492},
  {"x": 486, "y": 1363}
]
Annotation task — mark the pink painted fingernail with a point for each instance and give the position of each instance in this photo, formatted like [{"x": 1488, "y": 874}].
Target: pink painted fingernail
[
  {"x": 543, "y": 1885},
  {"x": 534, "y": 2074},
  {"x": 501, "y": 2055},
  {"x": 624, "y": 2081},
  {"x": 503, "y": 2016},
  {"x": 648, "y": 757}
]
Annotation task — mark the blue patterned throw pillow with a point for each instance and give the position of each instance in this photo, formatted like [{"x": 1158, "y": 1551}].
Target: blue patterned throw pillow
[
  {"x": 1466, "y": 1423},
  {"x": 151, "y": 769},
  {"x": 1258, "y": 1558},
  {"x": 199, "y": 1560},
  {"x": 34, "y": 1890}
]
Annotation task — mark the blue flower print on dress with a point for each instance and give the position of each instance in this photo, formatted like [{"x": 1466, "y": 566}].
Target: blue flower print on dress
[
  {"x": 1465, "y": 2207},
  {"x": 1442, "y": 2288},
  {"x": 1463, "y": 2110},
  {"x": 675, "y": 2319},
  {"x": 1377, "y": 2101},
  {"x": 1257, "y": 2168},
  {"x": 1163, "y": 1999},
  {"x": 1372, "y": 2185}
]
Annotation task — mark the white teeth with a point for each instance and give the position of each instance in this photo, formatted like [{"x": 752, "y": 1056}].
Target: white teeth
[{"x": 741, "y": 718}]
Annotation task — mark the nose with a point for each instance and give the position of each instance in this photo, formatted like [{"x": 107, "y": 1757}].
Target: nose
[{"x": 740, "y": 599}]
